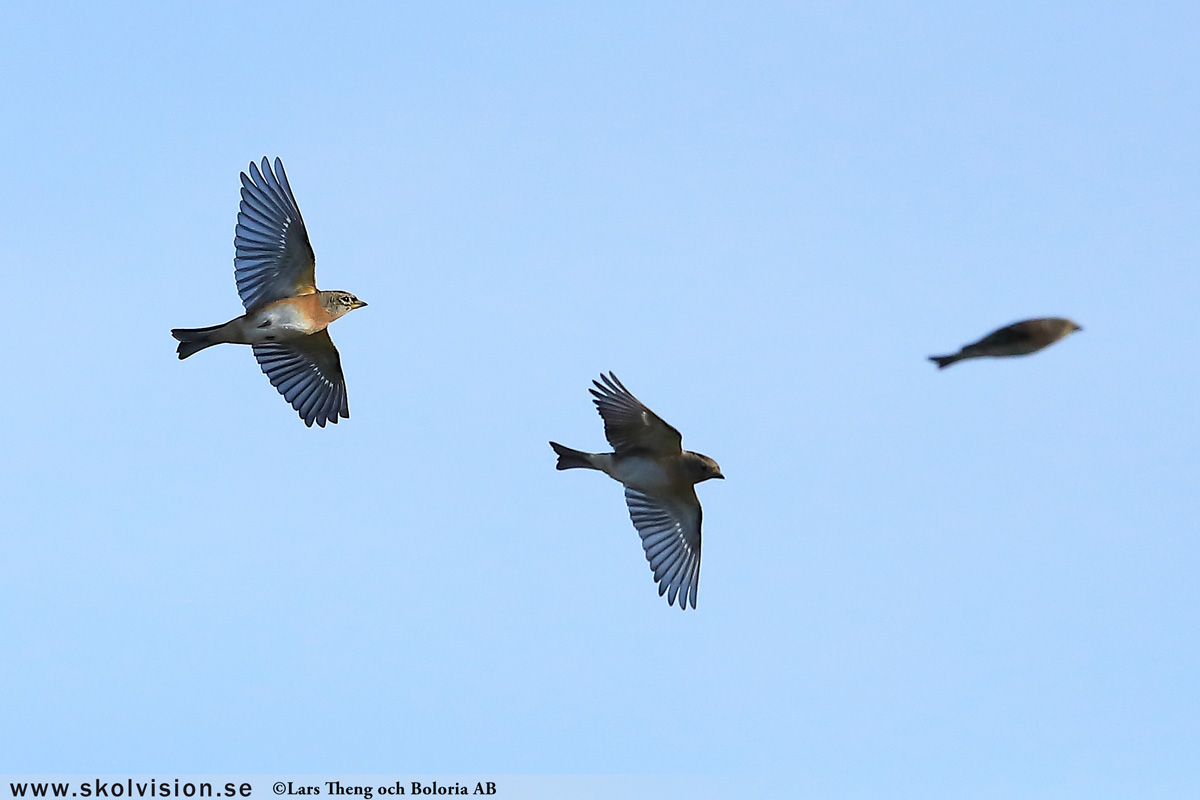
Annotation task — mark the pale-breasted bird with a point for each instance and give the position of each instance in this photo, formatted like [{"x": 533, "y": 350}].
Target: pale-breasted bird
[
  {"x": 286, "y": 315},
  {"x": 659, "y": 478},
  {"x": 1018, "y": 339}
]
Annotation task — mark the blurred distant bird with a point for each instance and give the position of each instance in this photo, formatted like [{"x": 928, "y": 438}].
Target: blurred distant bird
[
  {"x": 286, "y": 316},
  {"x": 659, "y": 478},
  {"x": 1018, "y": 339}
]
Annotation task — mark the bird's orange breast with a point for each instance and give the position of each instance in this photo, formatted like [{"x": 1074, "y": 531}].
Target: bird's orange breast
[{"x": 305, "y": 312}]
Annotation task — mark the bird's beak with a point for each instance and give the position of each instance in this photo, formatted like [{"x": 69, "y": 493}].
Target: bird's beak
[
  {"x": 719, "y": 476},
  {"x": 359, "y": 304},
  {"x": 1078, "y": 327}
]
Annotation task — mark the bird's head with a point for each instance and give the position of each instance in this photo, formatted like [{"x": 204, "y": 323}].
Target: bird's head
[
  {"x": 1065, "y": 327},
  {"x": 339, "y": 303},
  {"x": 703, "y": 468}
]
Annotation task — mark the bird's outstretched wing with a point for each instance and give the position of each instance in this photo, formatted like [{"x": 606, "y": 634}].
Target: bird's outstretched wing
[
  {"x": 308, "y": 373},
  {"x": 670, "y": 531},
  {"x": 629, "y": 426},
  {"x": 1018, "y": 333},
  {"x": 272, "y": 258}
]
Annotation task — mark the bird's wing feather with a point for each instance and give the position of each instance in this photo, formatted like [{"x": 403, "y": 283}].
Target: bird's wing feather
[
  {"x": 629, "y": 426},
  {"x": 670, "y": 531},
  {"x": 273, "y": 258},
  {"x": 1009, "y": 335},
  {"x": 308, "y": 373}
]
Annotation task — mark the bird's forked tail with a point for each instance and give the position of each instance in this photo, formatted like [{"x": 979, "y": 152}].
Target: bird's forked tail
[
  {"x": 572, "y": 459},
  {"x": 945, "y": 361},
  {"x": 193, "y": 340}
]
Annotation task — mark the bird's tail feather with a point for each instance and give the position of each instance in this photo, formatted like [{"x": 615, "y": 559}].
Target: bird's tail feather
[
  {"x": 193, "y": 340},
  {"x": 572, "y": 459},
  {"x": 945, "y": 361}
]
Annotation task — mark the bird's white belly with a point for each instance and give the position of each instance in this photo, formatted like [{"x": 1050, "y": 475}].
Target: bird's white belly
[
  {"x": 640, "y": 472},
  {"x": 276, "y": 322}
]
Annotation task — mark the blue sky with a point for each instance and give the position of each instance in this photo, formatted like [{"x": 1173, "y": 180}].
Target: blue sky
[{"x": 977, "y": 582}]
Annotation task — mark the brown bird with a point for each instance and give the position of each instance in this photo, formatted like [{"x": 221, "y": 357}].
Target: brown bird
[
  {"x": 286, "y": 315},
  {"x": 1018, "y": 339},
  {"x": 659, "y": 478}
]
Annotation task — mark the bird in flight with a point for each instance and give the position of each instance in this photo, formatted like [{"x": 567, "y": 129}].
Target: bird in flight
[
  {"x": 659, "y": 478},
  {"x": 1018, "y": 339},
  {"x": 286, "y": 315}
]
